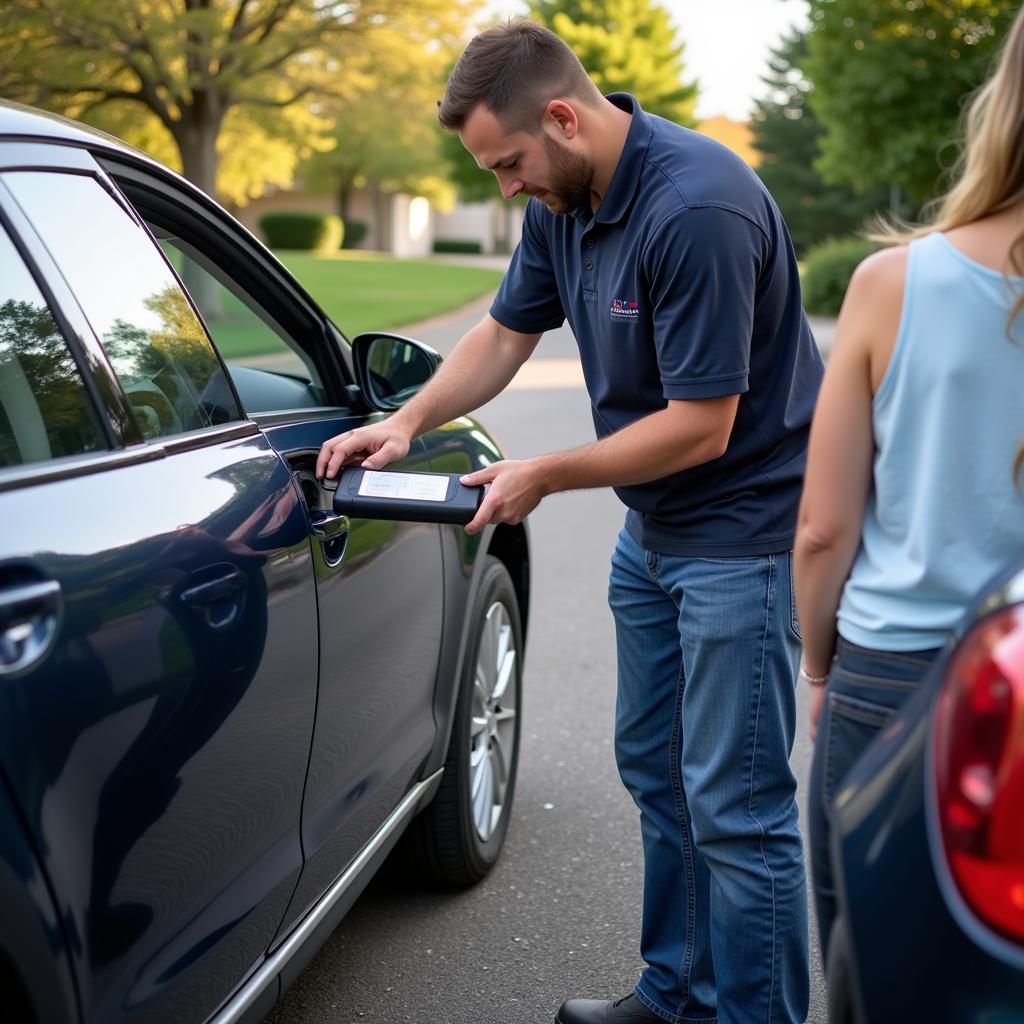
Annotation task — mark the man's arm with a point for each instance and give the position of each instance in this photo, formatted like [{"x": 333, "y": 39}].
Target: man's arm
[
  {"x": 685, "y": 433},
  {"x": 479, "y": 368}
]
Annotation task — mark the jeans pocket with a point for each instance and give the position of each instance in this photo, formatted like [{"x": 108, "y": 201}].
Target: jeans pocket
[
  {"x": 852, "y": 725},
  {"x": 794, "y": 621}
]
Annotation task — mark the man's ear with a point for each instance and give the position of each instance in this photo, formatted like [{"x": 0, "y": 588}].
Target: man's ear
[{"x": 561, "y": 117}]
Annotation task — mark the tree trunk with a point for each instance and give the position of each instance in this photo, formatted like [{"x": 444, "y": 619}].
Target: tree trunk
[
  {"x": 197, "y": 142},
  {"x": 344, "y": 197}
]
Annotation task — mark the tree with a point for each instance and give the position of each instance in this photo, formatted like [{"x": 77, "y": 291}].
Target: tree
[
  {"x": 202, "y": 70},
  {"x": 387, "y": 131},
  {"x": 788, "y": 136},
  {"x": 890, "y": 79},
  {"x": 626, "y": 46}
]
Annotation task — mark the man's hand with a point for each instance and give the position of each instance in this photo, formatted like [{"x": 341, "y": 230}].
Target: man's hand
[
  {"x": 815, "y": 702},
  {"x": 371, "y": 447},
  {"x": 515, "y": 491}
]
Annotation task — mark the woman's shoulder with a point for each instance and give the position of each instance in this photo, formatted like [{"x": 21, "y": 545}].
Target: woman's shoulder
[
  {"x": 885, "y": 270},
  {"x": 873, "y": 307}
]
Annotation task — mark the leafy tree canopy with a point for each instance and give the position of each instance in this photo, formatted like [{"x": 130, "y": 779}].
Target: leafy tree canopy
[
  {"x": 387, "y": 131},
  {"x": 788, "y": 135},
  {"x": 890, "y": 77},
  {"x": 626, "y": 46},
  {"x": 229, "y": 91}
]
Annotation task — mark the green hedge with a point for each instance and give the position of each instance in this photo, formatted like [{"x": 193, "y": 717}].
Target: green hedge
[
  {"x": 355, "y": 232},
  {"x": 828, "y": 268},
  {"x": 457, "y": 245},
  {"x": 296, "y": 230}
]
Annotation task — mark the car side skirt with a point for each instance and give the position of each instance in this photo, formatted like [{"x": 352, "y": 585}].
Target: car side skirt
[{"x": 254, "y": 999}]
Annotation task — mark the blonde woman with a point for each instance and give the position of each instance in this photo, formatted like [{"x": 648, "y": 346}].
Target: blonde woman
[{"x": 912, "y": 496}]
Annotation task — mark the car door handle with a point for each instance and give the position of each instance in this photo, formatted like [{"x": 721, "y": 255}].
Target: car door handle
[
  {"x": 216, "y": 590},
  {"x": 328, "y": 525},
  {"x": 28, "y": 623}
]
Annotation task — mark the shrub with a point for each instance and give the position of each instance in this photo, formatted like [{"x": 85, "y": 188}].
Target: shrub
[
  {"x": 827, "y": 272},
  {"x": 296, "y": 230},
  {"x": 457, "y": 245},
  {"x": 355, "y": 232}
]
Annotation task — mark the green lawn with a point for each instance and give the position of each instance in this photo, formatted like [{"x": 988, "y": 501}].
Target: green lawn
[{"x": 361, "y": 292}]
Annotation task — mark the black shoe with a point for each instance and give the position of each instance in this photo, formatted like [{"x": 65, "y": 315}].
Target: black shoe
[{"x": 603, "y": 1011}]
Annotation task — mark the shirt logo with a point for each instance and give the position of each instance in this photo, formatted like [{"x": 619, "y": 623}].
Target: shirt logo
[{"x": 624, "y": 309}]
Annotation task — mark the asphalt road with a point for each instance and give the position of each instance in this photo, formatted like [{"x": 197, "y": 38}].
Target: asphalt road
[{"x": 559, "y": 915}]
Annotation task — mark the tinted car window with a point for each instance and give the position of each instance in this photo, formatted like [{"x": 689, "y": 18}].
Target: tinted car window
[
  {"x": 159, "y": 350},
  {"x": 45, "y": 412},
  {"x": 243, "y": 333}
]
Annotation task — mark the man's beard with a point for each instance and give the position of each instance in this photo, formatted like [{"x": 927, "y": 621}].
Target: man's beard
[{"x": 571, "y": 177}]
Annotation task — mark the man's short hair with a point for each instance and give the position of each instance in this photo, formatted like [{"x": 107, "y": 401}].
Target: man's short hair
[{"x": 514, "y": 70}]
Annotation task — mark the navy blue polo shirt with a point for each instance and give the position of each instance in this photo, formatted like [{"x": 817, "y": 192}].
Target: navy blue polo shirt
[{"x": 683, "y": 285}]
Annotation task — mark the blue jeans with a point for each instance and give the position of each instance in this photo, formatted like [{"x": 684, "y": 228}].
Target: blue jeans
[
  {"x": 865, "y": 688},
  {"x": 707, "y": 657}
]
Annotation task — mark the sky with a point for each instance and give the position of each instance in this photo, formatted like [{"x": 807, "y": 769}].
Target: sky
[{"x": 728, "y": 43}]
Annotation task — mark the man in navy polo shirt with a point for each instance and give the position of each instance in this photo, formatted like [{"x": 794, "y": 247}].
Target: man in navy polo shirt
[{"x": 675, "y": 271}]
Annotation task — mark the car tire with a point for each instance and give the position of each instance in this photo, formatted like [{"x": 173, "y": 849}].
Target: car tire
[{"x": 458, "y": 837}]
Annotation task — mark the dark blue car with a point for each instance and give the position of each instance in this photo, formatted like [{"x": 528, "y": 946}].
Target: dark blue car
[
  {"x": 928, "y": 841},
  {"x": 222, "y": 703}
]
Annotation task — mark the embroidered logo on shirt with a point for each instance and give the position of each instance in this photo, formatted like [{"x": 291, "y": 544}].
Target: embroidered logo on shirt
[{"x": 624, "y": 309}]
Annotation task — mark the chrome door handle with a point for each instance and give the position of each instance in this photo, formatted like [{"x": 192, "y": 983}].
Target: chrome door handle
[
  {"x": 29, "y": 614},
  {"x": 216, "y": 590},
  {"x": 328, "y": 525},
  {"x": 220, "y": 601}
]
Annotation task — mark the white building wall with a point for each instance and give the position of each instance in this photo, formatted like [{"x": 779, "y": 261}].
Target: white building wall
[
  {"x": 467, "y": 222},
  {"x": 411, "y": 226}
]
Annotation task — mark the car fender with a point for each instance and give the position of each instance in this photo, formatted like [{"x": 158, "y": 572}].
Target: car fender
[{"x": 464, "y": 446}]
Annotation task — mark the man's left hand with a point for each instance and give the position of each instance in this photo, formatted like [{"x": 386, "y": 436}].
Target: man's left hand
[{"x": 515, "y": 491}]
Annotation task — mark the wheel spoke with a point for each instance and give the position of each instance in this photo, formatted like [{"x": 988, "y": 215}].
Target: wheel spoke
[
  {"x": 486, "y": 659},
  {"x": 506, "y": 672},
  {"x": 481, "y": 697},
  {"x": 483, "y": 799},
  {"x": 500, "y": 763}
]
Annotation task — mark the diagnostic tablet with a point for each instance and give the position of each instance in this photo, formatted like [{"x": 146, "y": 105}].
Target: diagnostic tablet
[{"x": 413, "y": 497}]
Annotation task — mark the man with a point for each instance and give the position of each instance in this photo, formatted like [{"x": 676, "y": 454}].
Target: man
[{"x": 674, "y": 269}]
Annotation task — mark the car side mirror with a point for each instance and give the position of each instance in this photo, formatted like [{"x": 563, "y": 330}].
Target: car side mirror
[{"x": 391, "y": 369}]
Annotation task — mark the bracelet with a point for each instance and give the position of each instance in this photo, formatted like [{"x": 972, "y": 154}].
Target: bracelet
[{"x": 813, "y": 680}]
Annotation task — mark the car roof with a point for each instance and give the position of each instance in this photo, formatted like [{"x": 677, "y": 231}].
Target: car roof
[{"x": 22, "y": 122}]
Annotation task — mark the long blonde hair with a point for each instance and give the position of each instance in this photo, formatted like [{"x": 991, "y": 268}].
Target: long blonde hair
[{"x": 989, "y": 173}]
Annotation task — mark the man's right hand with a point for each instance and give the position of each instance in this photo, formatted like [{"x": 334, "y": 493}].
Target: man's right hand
[{"x": 371, "y": 447}]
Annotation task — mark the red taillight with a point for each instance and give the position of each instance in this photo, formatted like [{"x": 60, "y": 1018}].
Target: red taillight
[{"x": 979, "y": 762}]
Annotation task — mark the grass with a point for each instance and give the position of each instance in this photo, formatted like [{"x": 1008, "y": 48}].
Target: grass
[{"x": 360, "y": 292}]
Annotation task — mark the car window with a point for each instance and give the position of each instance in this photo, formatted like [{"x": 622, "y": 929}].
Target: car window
[
  {"x": 156, "y": 344},
  {"x": 45, "y": 412},
  {"x": 244, "y": 333}
]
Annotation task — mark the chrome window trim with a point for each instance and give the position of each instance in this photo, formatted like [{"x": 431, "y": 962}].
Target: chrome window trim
[
  {"x": 40, "y": 155},
  {"x": 35, "y": 473}
]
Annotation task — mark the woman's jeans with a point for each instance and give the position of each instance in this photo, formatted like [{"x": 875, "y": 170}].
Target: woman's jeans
[
  {"x": 707, "y": 657},
  {"x": 865, "y": 688}
]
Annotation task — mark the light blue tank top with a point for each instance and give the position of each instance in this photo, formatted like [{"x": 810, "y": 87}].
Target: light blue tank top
[{"x": 944, "y": 514}]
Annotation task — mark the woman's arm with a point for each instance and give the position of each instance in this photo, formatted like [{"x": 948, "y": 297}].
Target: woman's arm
[{"x": 840, "y": 455}]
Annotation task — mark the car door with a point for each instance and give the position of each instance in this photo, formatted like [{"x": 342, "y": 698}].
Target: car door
[
  {"x": 158, "y": 629},
  {"x": 379, "y": 584}
]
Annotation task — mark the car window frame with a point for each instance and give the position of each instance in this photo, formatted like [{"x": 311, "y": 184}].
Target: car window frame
[
  {"x": 126, "y": 445},
  {"x": 178, "y": 206}
]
